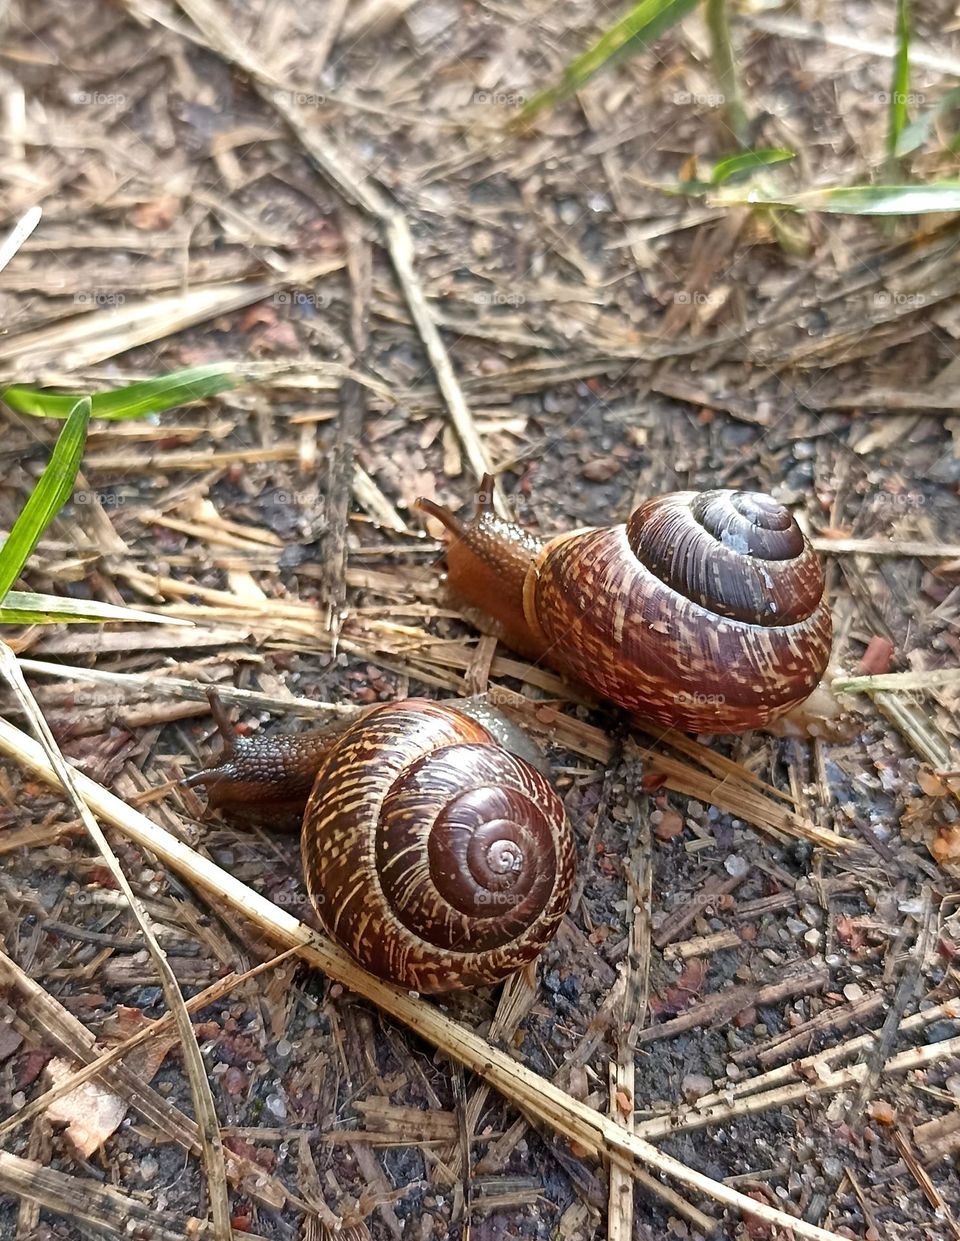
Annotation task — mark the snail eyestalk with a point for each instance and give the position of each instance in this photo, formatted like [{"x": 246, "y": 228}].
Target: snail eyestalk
[
  {"x": 442, "y": 514},
  {"x": 488, "y": 560}
]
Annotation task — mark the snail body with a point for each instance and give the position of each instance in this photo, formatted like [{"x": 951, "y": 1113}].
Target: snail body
[
  {"x": 434, "y": 855},
  {"x": 705, "y": 611}
]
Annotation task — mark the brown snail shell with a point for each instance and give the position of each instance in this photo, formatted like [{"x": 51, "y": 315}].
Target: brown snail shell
[
  {"x": 437, "y": 857},
  {"x": 705, "y": 611}
]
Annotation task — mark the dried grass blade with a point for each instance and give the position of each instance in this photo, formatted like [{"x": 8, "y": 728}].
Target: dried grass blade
[
  {"x": 87, "y": 1071},
  {"x": 18, "y": 235},
  {"x": 535, "y": 1095},
  {"x": 206, "y": 1116}
]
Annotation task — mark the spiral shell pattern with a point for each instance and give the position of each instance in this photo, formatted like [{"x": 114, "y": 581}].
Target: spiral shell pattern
[
  {"x": 436, "y": 857},
  {"x": 705, "y": 612}
]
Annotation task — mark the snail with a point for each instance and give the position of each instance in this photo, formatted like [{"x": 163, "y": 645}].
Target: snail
[
  {"x": 705, "y": 611},
  {"x": 434, "y": 853}
]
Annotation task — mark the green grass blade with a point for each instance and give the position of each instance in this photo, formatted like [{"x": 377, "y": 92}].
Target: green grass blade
[
  {"x": 748, "y": 161},
  {"x": 644, "y": 23},
  {"x": 149, "y": 396},
  {"x": 725, "y": 71},
  {"x": 918, "y": 132},
  {"x": 24, "y": 607},
  {"x": 48, "y": 497},
  {"x": 900, "y": 82},
  {"x": 852, "y": 199}
]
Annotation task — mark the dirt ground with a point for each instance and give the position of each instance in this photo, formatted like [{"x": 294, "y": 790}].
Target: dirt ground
[{"x": 612, "y": 341}]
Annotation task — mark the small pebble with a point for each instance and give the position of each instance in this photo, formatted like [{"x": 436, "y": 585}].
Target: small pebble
[
  {"x": 853, "y": 992},
  {"x": 882, "y": 1112},
  {"x": 695, "y": 1085},
  {"x": 149, "y": 1167},
  {"x": 234, "y": 1081},
  {"x": 559, "y": 402},
  {"x": 570, "y": 987},
  {"x": 276, "y": 1106},
  {"x": 735, "y": 865},
  {"x": 832, "y": 1167}
]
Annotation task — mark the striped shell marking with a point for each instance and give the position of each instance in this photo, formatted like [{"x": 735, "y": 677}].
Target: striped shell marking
[
  {"x": 705, "y": 612},
  {"x": 436, "y": 857}
]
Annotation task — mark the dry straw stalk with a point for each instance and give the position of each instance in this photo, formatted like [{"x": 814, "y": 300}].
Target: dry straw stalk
[{"x": 539, "y": 1098}]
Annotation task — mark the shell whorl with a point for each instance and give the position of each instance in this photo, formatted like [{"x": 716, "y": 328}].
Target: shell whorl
[
  {"x": 435, "y": 856},
  {"x": 737, "y": 553},
  {"x": 705, "y": 612}
]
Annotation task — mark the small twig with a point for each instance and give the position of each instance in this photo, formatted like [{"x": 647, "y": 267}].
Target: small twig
[
  {"x": 633, "y": 1013},
  {"x": 812, "y": 1063},
  {"x": 920, "y": 1175},
  {"x": 194, "y": 691},
  {"x": 536, "y": 1095},
  {"x": 702, "y": 1116},
  {"x": 18, "y": 235},
  {"x": 850, "y": 40},
  {"x": 107, "y": 1210},
  {"x": 361, "y": 191},
  {"x": 352, "y": 408},
  {"x": 72, "y": 1080},
  {"x": 936, "y": 678},
  {"x": 327, "y": 39},
  {"x": 204, "y": 1107},
  {"x": 905, "y": 993},
  {"x": 922, "y": 548},
  {"x": 723, "y": 1005}
]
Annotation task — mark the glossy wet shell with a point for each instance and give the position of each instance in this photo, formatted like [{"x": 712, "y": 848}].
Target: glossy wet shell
[
  {"x": 705, "y": 612},
  {"x": 433, "y": 855}
]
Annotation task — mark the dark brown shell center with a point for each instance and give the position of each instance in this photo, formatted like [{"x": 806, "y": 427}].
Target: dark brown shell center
[{"x": 738, "y": 554}]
